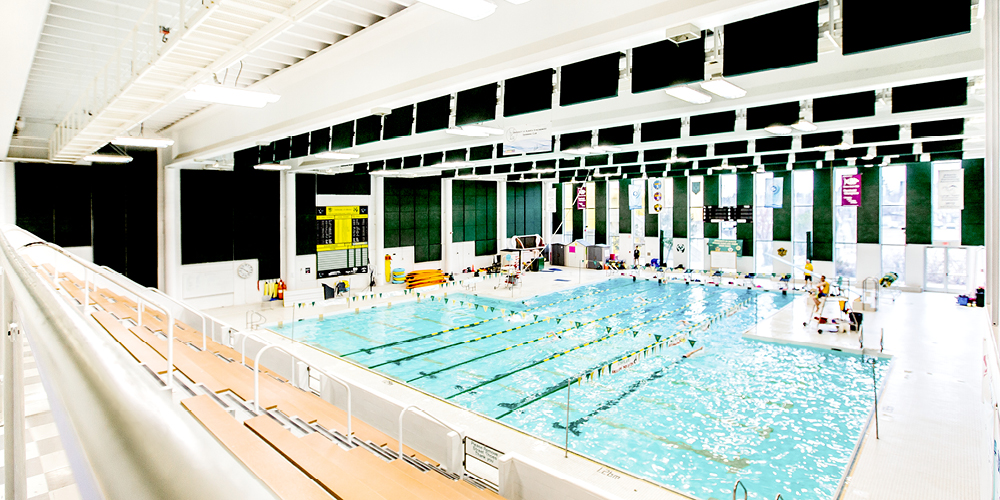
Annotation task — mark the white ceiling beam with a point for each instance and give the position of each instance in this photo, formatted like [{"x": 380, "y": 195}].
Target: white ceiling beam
[{"x": 21, "y": 25}]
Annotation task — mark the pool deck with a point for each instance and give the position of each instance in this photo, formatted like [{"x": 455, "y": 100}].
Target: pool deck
[{"x": 932, "y": 430}]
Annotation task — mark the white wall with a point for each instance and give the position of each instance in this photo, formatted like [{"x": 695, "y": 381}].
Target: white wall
[
  {"x": 780, "y": 267},
  {"x": 914, "y": 266},
  {"x": 869, "y": 261},
  {"x": 525, "y": 479},
  {"x": 216, "y": 284},
  {"x": 85, "y": 253}
]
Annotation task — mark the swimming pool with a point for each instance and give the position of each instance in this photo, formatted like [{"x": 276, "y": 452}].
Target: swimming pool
[{"x": 781, "y": 418}]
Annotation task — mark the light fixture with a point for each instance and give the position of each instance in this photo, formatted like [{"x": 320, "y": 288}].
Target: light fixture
[
  {"x": 804, "y": 126},
  {"x": 483, "y": 129},
  {"x": 142, "y": 142},
  {"x": 469, "y": 9},
  {"x": 688, "y": 94},
  {"x": 337, "y": 155},
  {"x": 107, "y": 158},
  {"x": 467, "y": 133},
  {"x": 230, "y": 95},
  {"x": 777, "y": 129},
  {"x": 722, "y": 88},
  {"x": 271, "y": 166}
]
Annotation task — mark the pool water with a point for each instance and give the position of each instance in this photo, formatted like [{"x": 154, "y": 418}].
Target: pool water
[{"x": 702, "y": 409}]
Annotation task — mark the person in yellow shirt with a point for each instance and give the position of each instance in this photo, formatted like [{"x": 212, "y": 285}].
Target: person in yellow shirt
[
  {"x": 822, "y": 290},
  {"x": 809, "y": 269}
]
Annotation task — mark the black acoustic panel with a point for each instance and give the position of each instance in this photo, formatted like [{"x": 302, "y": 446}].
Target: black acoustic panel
[
  {"x": 740, "y": 160},
  {"x": 665, "y": 64},
  {"x": 412, "y": 161},
  {"x": 810, "y": 156},
  {"x": 682, "y": 165},
  {"x": 265, "y": 154},
  {"x": 822, "y": 139},
  {"x": 876, "y": 134},
  {"x": 501, "y": 169},
  {"x": 319, "y": 140},
  {"x": 778, "y": 158},
  {"x": 775, "y": 167},
  {"x": 632, "y": 169},
  {"x": 447, "y": 174},
  {"x": 841, "y": 154},
  {"x": 394, "y": 164},
  {"x": 246, "y": 157},
  {"x": 433, "y": 159},
  {"x": 529, "y": 177},
  {"x": 545, "y": 165},
  {"x": 575, "y": 140},
  {"x": 616, "y": 136},
  {"x": 466, "y": 171},
  {"x": 731, "y": 148},
  {"x": 623, "y": 158},
  {"x": 483, "y": 170},
  {"x": 342, "y": 136},
  {"x": 803, "y": 165},
  {"x": 476, "y": 105},
  {"x": 528, "y": 93},
  {"x": 677, "y": 173},
  {"x": 481, "y": 153},
  {"x": 584, "y": 172},
  {"x": 714, "y": 123},
  {"x": 433, "y": 114},
  {"x": 374, "y": 165},
  {"x": 282, "y": 149},
  {"x": 589, "y": 80},
  {"x": 876, "y": 24},
  {"x": 513, "y": 178},
  {"x": 651, "y": 155},
  {"x": 206, "y": 216},
  {"x": 300, "y": 145},
  {"x": 942, "y": 146},
  {"x": 347, "y": 183},
  {"x": 608, "y": 170},
  {"x": 547, "y": 175},
  {"x": 369, "y": 129},
  {"x": 652, "y": 168},
  {"x": 835, "y": 163},
  {"x": 955, "y": 155},
  {"x": 773, "y": 144},
  {"x": 714, "y": 163},
  {"x": 566, "y": 163},
  {"x": 661, "y": 130},
  {"x": 843, "y": 107},
  {"x": 455, "y": 155},
  {"x": 593, "y": 160},
  {"x": 399, "y": 123},
  {"x": 938, "y": 128},
  {"x": 931, "y": 95},
  {"x": 692, "y": 152},
  {"x": 523, "y": 166},
  {"x": 745, "y": 40},
  {"x": 775, "y": 114},
  {"x": 904, "y": 159},
  {"x": 894, "y": 150}
]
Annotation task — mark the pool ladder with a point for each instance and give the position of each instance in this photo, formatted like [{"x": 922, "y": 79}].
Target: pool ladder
[{"x": 739, "y": 484}]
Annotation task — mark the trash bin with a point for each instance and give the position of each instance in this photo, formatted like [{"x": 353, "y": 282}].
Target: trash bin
[
  {"x": 538, "y": 264},
  {"x": 980, "y": 297}
]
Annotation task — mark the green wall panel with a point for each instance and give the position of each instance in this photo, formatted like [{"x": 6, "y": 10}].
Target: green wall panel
[
  {"x": 474, "y": 214},
  {"x": 557, "y": 217},
  {"x": 744, "y": 196},
  {"x": 680, "y": 207},
  {"x": 918, "y": 203},
  {"x": 577, "y": 215},
  {"x": 869, "y": 216},
  {"x": 413, "y": 216},
  {"x": 974, "y": 213},
  {"x": 782, "y": 228},
  {"x": 624, "y": 214},
  {"x": 711, "y": 199},
  {"x": 823, "y": 215},
  {"x": 601, "y": 212},
  {"x": 524, "y": 209}
]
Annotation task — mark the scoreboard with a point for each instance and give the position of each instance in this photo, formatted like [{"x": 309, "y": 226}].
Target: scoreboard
[
  {"x": 739, "y": 213},
  {"x": 341, "y": 240}
]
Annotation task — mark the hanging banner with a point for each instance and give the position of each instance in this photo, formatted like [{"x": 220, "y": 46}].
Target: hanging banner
[
  {"x": 655, "y": 195},
  {"x": 850, "y": 191},
  {"x": 951, "y": 189},
  {"x": 636, "y": 189},
  {"x": 535, "y": 138},
  {"x": 696, "y": 196},
  {"x": 581, "y": 197},
  {"x": 773, "y": 192}
]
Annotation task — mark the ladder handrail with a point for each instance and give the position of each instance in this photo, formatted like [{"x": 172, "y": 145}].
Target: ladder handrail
[
  {"x": 204, "y": 322},
  {"x": 739, "y": 484}
]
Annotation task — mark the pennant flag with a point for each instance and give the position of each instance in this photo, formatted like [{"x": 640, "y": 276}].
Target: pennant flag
[
  {"x": 536, "y": 317},
  {"x": 578, "y": 324},
  {"x": 609, "y": 329},
  {"x": 634, "y": 333},
  {"x": 657, "y": 337},
  {"x": 691, "y": 342},
  {"x": 492, "y": 309}
]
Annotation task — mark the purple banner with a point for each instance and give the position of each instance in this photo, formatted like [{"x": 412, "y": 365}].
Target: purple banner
[
  {"x": 581, "y": 197},
  {"x": 850, "y": 191}
]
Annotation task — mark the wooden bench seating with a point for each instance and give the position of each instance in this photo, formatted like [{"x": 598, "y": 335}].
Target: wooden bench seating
[
  {"x": 139, "y": 350},
  {"x": 283, "y": 478}
]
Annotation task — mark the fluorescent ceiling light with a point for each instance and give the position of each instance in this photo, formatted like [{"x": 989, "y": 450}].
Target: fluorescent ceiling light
[
  {"x": 106, "y": 158},
  {"x": 336, "y": 155},
  {"x": 483, "y": 129},
  {"x": 469, "y": 9},
  {"x": 723, "y": 88},
  {"x": 467, "y": 133},
  {"x": 271, "y": 166},
  {"x": 779, "y": 129},
  {"x": 230, "y": 95},
  {"x": 142, "y": 142},
  {"x": 689, "y": 94},
  {"x": 804, "y": 126}
]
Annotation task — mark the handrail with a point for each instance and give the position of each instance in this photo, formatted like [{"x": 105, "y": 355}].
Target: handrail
[
  {"x": 243, "y": 346},
  {"x": 256, "y": 382},
  {"x": 123, "y": 436},
  {"x": 739, "y": 484},
  {"x": 432, "y": 417},
  {"x": 204, "y": 335}
]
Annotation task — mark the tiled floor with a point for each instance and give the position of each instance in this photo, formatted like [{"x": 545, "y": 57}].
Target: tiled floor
[{"x": 49, "y": 474}]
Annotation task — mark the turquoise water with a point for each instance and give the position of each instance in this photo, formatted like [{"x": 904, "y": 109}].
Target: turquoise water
[{"x": 781, "y": 418}]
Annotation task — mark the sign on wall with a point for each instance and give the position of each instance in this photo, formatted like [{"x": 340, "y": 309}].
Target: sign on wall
[
  {"x": 636, "y": 190},
  {"x": 721, "y": 245},
  {"x": 656, "y": 198},
  {"x": 535, "y": 138},
  {"x": 581, "y": 197},
  {"x": 341, "y": 240},
  {"x": 773, "y": 192},
  {"x": 951, "y": 189},
  {"x": 850, "y": 191},
  {"x": 696, "y": 198}
]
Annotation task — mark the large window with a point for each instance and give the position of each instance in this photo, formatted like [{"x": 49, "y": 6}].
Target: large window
[
  {"x": 696, "y": 227},
  {"x": 763, "y": 225},
  {"x": 892, "y": 233},
  {"x": 845, "y": 229},
  {"x": 569, "y": 205},
  {"x": 667, "y": 221},
  {"x": 727, "y": 198},
  {"x": 802, "y": 217},
  {"x": 947, "y": 225}
]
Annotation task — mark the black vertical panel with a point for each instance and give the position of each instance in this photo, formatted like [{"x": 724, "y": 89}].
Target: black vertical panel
[
  {"x": 557, "y": 216},
  {"x": 71, "y": 204},
  {"x": 305, "y": 214},
  {"x": 798, "y": 30},
  {"x": 822, "y": 232},
  {"x": 782, "y": 228},
  {"x": 476, "y": 105},
  {"x": 433, "y": 114},
  {"x": 930, "y": 95},
  {"x": 652, "y": 219},
  {"x": 624, "y": 214},
  {"x": 319, "y": 140},
  {"x": 282, "y": 149},
  {"x": 918, "y": 203},
  {"x": 132, "y": 188},
  {"x": 664, "y": 64},
  {"x": 34, "y": 208},
  {"x": 111, "y": 216},
  {"x": 869, "y": 213},
  {"x": 246, "y": 157},
  {"x": 528, "y": 93},
  {"x": 399, "y": 123},
  {"x": 974, "y": 213},
  {"x": 256, "y": 226},
  {"x": 369, "y": 129},
  {"x": 206, "y": 216},
  {"x": 601, "y": 213},
  {"x": 341, "y": 136},
  {"x": 875, "y": 24},
  {"x": 578, "y": 217},
  {"x": 680, "y": 207},
  {"x": 300, "y": 145},
  {"x": 711, "y": 199},
  {"x": 512, "y": 209},
  {"x": 744, "y": 196},
  {"x": 589, "y": 80},
  {"x": 533, "y": 208}
]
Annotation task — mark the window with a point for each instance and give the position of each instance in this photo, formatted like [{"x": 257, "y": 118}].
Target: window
[
  {"x": 727, "y": 198},
  {"x": 569, "y": 204},
  {"x": 696, "y": 226},
  {"x": 845, "y": 229},
  {"x": 892, "y": 233},
  {"x": 667, "y": 220},
  {"x": 613, "y": 228},
  {"x": 590, "y": 222},
  {"x": 947, "y": 223},
  {"x": 802, "y": 217},
  {"x": 763, "y": 225}
]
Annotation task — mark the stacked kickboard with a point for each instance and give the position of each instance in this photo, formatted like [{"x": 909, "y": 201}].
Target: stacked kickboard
[
  {"x": 398, "y": 276},
  {"x": 417, "y": 279}
]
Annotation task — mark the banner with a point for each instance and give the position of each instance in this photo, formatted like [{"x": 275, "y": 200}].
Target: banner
[
  {"x": 697, "y": 196},
  {"x": 535, "y": 138},
  {"x": 636, "y": 189},
  {"x": 773, "y": 192},
  {"x": 850, "y": 191},
  {"x": 581, "y": 197},
  {"x": 656, "y": 195},
  {"x": 951, "y": 189},
  {"x": 719, "y": 245}
]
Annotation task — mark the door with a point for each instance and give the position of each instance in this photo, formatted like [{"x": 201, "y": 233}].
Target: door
[{"x": 946, "y": 269}]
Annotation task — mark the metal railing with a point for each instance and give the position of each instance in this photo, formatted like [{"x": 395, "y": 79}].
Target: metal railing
[
  {"x": 204, "y": 335},
  {"x": 124, "y": 439}
]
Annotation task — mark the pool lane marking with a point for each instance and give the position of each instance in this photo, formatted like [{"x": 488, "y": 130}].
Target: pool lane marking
[
  {"x": 483, "y": 337},
  {"x": 368, "y": 350}
]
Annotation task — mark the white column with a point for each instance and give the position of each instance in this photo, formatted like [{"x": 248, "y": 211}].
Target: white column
[
  {"x": 171, "y": 235},
  {"x": 448, "y": 260},
  {"x": 992, "y": 26},
  {"x": 7, "y": 205},
  {"x": 502, "y": 216},
  {"x": 289, "y": 271},
  {"x": 376, "y": 230}
]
